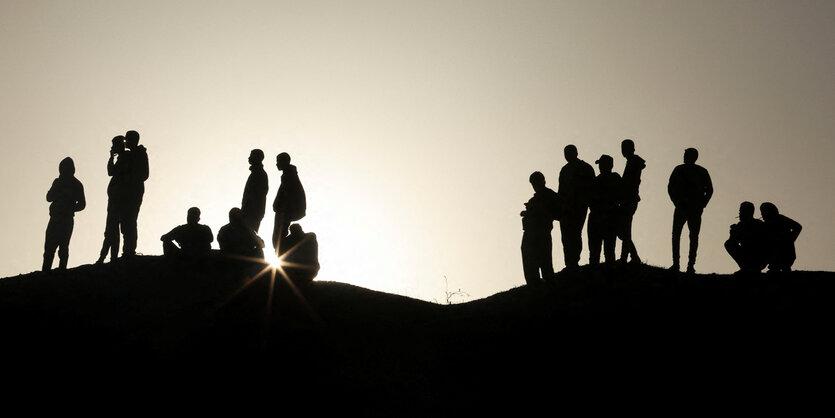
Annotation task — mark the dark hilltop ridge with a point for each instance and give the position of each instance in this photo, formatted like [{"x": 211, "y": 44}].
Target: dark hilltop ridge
[{"x": 635, "y": 332}]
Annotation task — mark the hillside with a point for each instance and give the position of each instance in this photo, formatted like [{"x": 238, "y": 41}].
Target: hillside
[{"x": 595, "y": 330}]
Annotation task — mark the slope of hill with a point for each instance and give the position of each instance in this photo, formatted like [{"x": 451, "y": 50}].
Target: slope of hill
[{"x": 216, "y": 324}]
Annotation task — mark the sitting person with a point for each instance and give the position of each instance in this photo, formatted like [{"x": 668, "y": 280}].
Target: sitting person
[
  {"x": 299, "y": 254},
  {"x": 781, "y": 233},
  {"x": 193, "y": 239},
  {"x": 237, "y": 238},
  {"x": 746, "y": 243}
]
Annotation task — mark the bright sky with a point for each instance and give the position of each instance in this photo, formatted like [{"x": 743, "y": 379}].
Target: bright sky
[{"x": 415, "y": 124}]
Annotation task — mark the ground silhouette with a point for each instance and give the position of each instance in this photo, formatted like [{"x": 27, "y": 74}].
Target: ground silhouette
[{"x": 603, "y": 334}]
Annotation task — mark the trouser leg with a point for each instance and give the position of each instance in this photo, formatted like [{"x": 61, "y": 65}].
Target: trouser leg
[
  {"x": 678, "y": 224},
  {"x": 595, "y": 239},
  {"x": 694, "y": 225}
]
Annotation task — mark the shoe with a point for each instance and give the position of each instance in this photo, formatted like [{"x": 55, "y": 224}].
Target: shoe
[
  {"x": 691, "y": 270},
  {"x": 635, "y": 261},
  {"x": 674, "y": 267}
]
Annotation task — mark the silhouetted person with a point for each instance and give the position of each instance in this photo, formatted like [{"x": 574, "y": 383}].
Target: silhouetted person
[
  {"x": 537, "y": 222},
  {"x": 133, "y": 174},
  {"x": 299, "y": 255},
  {"x": 194, "y": 239},
  {"x": 66, "y": 197},
  {"x": 629, "y": 199},
  {"x": 254, "y": 201},
  {"x": 576, "y": 177},
  {"x": 690, "y": 189},
  {"x": 603, "y": 216},
  {"x": 237, "y": 238},
  {"x": 114, "y": 201},
  {"x": 290, "y": 202},
  {"x": 781, "y": 232},
  {"x": 747, "y": 241}
]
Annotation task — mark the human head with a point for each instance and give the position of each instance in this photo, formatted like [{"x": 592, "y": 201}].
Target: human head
[
  {"x": 746, "y": 211},
  {"x": 131, "y": 138},
  {"x": 236, "y": 216},
  {"x": 66, "y": 167},
  {"x": 605, "y": 163},
  {"x": 691, "y": 155},
  {"x": 256, "y": 156},
  {"x": 570, "y": 152},
  {"x": 282, "y": 161},
  {"x": 627, "y": 148},
  {"x": 193, "y": 216},
  {"x": 296, "y": 229},
  {"x": 537, "y": 180},
  {"x": 117, "y": 143},
  {"x": 769, "y": 211}
]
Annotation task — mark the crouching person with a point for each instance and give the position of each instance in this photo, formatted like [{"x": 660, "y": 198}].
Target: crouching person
[
  {"x": 237, "y": 239},
  {"x": 299, "y": 255}
]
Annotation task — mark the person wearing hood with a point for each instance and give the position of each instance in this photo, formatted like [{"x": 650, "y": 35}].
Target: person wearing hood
[
  {"x": 66, "y": 196},
  {"x": 290, "y": 203},
  {"x": 254, "y": 201}
]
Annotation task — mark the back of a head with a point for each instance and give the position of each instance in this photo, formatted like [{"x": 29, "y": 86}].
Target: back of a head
[
  {"x": 118, "y": 142},
  {"x": 66, "y": 167},
  {"x": 193, "y": 215},
  {"x": 131, "y": 138},
  {"x": 537, "y": 179},
  {"x": 746, "y": 210},
  {"x": 691, "y": 155},
  {"x": 235, "y": 216},
  {"x": 570, "y": 152},
  {"x": 768, "y": 210},
  {"x": 296, "y": 229}
]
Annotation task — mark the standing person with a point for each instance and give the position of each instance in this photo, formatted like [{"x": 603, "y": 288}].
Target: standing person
[
  {"x": 603, "y": 215},
  {"x": 66, "y": 197},
  {"x": 629, "y": 199},
  {"x": 747, "y": 241},
  {"x": 254, "y": 201},
  {"x": 290, "y": 203},
  {"x": 134, "y": 173},
  {"x": 576, "y": 177},
  {"x": 690, "y": 190},
  {"x": 114, "y": 201},
  {"x": 537, "y": 222},
  {"x": 782, "y": 232}
]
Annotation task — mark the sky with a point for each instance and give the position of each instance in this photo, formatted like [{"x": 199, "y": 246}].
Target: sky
[{"x": 415, "y": 124}]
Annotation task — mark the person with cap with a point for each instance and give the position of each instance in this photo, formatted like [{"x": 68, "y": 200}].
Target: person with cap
[
  {"x": 537, "y": 222},
  {"x": 604, "y": 206},
  {"x": 690, "y": 189},
  {"x": 576, "y": 178},
  {"x": 629, "y": 200}
]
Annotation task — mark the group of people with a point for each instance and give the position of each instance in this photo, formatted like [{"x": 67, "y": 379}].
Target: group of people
[
  {"x": 128, "y": 170},
  {"x": 298, "y": 251},
  {"x": 610, "y": 202}
]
